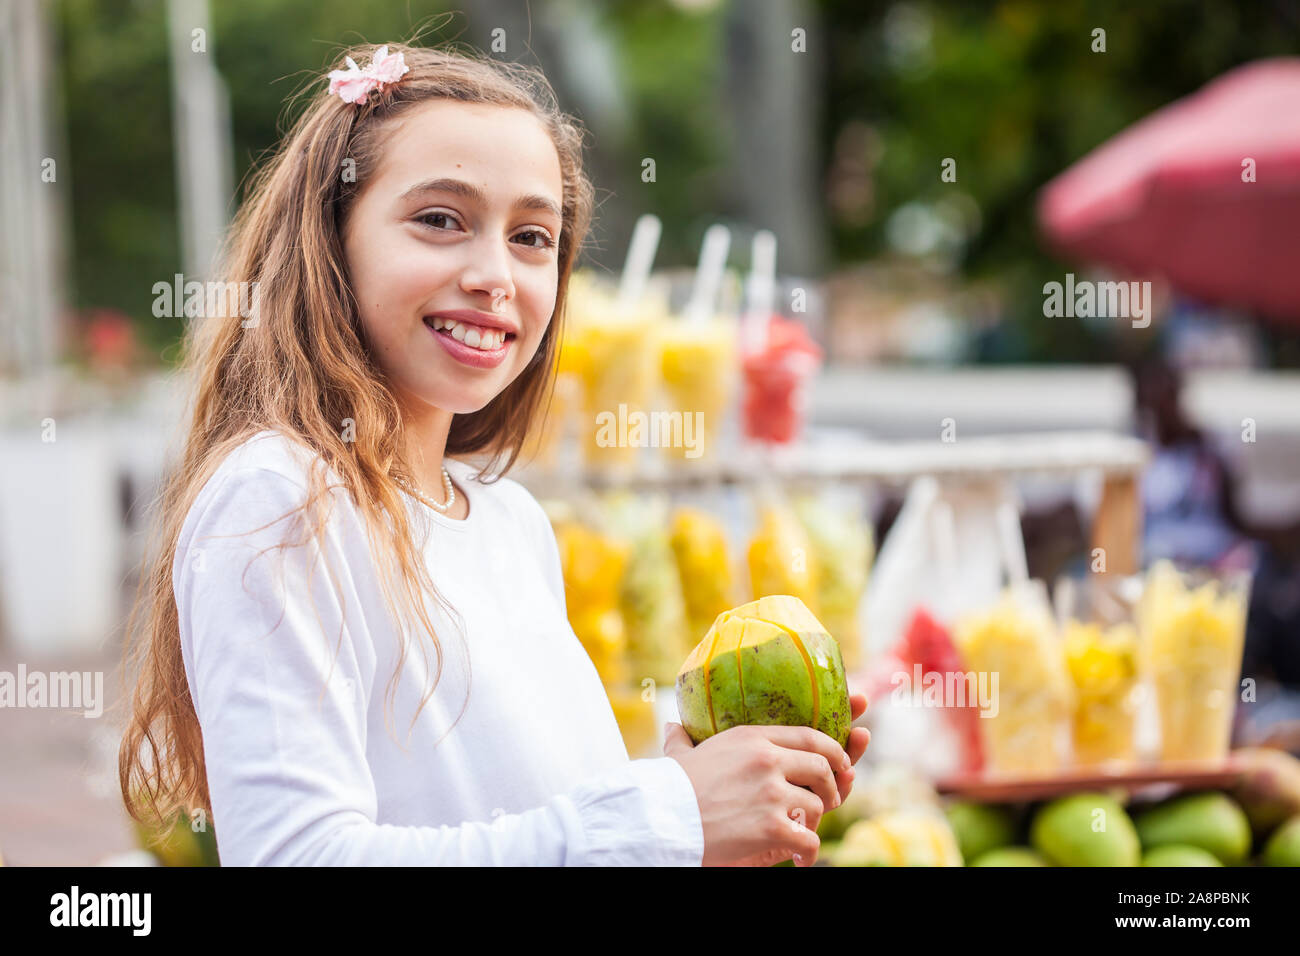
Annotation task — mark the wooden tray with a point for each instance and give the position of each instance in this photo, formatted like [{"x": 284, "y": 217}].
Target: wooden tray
[{"x": 1025, "y": 789}]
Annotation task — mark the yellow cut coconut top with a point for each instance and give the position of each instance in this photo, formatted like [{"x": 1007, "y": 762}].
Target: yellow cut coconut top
[{"x": 781, "y": 611}]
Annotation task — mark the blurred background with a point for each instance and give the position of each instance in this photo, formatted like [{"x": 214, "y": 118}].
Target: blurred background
[{"x": 898, "y": 184}]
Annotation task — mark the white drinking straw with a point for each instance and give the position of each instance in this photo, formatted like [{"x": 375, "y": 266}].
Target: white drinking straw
[
  {"x": 640, "y": 257},
  {"x": 708, "y": 276}
]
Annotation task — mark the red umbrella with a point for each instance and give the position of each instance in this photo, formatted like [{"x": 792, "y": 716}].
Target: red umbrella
[{"x": 1172, "y": 195}]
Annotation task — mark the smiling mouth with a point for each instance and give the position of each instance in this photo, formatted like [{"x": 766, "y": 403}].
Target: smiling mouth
[{"x": 472, "y": 336}]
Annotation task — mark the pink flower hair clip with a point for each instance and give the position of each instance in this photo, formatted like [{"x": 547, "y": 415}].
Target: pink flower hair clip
[{"x": 355, "y": 84}]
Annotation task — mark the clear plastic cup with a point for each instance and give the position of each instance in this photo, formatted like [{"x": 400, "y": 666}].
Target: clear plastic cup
[
  {"x": 1193, "y": 627},
  {"x": 698, "y": 373},
  {"x": 1102, "y": 648},
  {"x": 619, "y": 362},
  {"x": 1014, "y": 641},
  {"x": 776, "y": 377}
]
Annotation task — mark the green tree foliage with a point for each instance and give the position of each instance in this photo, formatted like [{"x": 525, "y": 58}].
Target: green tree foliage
[
  {"x": 116, "y": 82},
  {"x": 1014, "y": 91}
]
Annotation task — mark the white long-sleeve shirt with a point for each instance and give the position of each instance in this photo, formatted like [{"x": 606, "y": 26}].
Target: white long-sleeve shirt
[{"x": 301, "y": 767}]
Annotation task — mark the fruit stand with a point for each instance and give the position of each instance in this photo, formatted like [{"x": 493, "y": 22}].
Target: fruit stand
[
  {"x": 1122, "y": 726},
  {"x": 995, "y": 698}
]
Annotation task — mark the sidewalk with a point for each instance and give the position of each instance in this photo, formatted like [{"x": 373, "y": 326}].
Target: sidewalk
[{"x": 59, "y": 799}]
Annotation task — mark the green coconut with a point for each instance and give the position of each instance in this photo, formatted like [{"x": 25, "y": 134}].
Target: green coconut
[
  {"x": 767, "y": 662},
  {"x": 1177, "y": 854},
  {"x": 980, "y": 827},
  {"x": 1211, "y": 821},
  {"x": 1010, "y": 856},
  {"x": 1283, "y": 847},
  {"x": 1085, "y": 829}
]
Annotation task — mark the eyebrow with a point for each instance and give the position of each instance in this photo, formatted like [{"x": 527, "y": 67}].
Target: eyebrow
[{"x": 475, "y": 194}]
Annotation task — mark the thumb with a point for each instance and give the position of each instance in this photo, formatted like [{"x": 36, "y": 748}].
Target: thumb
[{"x": 676, "y": 740}]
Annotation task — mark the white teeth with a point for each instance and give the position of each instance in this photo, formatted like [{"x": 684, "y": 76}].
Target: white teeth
[
  {"x": 480, "y": 338},
  {"x": 487, "y": 341}
]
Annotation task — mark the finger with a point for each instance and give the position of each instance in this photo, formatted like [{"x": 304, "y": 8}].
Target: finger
[
  {"x": 802, "y": 841},
  {"x": 676, "y": 739},
  {"x": 803, "y": 850},
  {"x": 808, "y": 858},
  {"x": 844, "y": 783},
  {"x": 803, "y": 812},
  {"x": 813, "y": 741},
  {"x": 811, "y": 770},
  {"x": 857, "y": 705},
  {"x": 859, "y": 737}
]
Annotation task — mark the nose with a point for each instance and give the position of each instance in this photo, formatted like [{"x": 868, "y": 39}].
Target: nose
[{"x": 488, "y": 273}]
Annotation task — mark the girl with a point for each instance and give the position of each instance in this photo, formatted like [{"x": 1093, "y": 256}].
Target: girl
[{"x": 409, "y": 247}]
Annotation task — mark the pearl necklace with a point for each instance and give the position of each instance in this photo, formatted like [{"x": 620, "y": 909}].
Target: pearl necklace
[{"x": 448, "y": 487}]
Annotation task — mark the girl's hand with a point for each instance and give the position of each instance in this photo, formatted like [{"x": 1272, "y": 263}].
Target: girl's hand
[{"x": 762, "y": 790}]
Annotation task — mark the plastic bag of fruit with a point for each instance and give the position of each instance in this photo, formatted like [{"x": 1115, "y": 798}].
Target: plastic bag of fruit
[
  {"x": 650, "y": 597},
  {"x": 699, "y": 542},
  {"x": 593, "y": 564},
  {"x": 843, "y": 545},
  {"x": 780, "y": 555}
]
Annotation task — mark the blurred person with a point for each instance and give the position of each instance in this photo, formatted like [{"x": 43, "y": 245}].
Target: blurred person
[
  {"x": 1189, "y": 495},
  {"x": 407, "y": 315}
]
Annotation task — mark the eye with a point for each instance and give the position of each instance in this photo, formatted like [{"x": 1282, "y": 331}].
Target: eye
[
  {"x": 540, "y": 239},
  {"x": 439, "y": 221}
]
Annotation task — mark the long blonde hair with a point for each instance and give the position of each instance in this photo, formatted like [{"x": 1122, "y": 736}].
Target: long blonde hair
[{"x": 304, "y": 368}]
